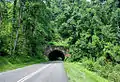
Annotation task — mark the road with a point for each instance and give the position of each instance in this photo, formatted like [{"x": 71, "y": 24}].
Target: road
[{"x": 45, "y": 72}]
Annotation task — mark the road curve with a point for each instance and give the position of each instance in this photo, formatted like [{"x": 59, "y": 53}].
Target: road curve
[{"x": 45, "y": 72}]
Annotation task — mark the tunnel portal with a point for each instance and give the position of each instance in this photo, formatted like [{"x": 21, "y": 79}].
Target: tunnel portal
[{"x": 56, "y": 55}]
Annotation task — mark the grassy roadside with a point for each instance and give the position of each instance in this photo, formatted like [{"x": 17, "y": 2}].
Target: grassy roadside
[
  {"x": 77, "y": 73},
  {"x": 10, "y": 64}
]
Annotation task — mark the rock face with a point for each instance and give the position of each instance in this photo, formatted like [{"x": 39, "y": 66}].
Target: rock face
[{"x": 55, "y": 52}]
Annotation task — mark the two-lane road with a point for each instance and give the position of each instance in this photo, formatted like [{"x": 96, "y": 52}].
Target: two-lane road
[{"x": 45, "y": 72}]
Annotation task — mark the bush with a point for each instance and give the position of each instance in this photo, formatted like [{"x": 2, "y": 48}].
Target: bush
[
  {"x": 114, "y": 76},
  {"x": 89, "y": 64},
  {"x": 106, "y": 70},
  {"x": 101, "y": 61}
]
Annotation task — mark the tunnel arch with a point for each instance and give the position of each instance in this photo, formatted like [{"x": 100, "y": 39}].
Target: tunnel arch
[{"x": 56, "y": 55}]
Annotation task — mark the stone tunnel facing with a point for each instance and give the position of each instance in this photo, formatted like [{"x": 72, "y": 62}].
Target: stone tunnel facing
[{"x": 56, "y": 55}]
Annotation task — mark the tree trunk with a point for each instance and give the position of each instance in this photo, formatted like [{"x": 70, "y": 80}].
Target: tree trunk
[{"x": 17, "y": 30}]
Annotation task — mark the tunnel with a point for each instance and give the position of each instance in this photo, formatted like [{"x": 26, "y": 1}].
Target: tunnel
[{"x": 56, "y": 55}]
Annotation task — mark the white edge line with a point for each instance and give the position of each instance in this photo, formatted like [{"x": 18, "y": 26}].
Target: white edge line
[{"x": 32, "y": 74}]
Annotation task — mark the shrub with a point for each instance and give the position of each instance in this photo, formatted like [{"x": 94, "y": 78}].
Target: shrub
[
  {"x": 89, "y": 64},
  {"x": 114, "y": 76}
]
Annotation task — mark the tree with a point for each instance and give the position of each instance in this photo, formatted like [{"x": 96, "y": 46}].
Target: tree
[{"x": 87, "y": 25}]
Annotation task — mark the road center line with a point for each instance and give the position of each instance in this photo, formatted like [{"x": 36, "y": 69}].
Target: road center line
[{"x": 32, "y": 74}]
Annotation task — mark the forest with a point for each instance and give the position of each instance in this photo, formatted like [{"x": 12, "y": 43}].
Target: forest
[{"x": 90, "y": 29}]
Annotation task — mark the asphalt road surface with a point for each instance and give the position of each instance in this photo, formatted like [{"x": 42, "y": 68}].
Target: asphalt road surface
[{"x": 45, "y": 72}]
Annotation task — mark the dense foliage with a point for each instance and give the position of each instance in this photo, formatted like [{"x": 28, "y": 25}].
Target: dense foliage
[
  {"x": 24, "y": 30},
  {"x": 89, "y": 28}
]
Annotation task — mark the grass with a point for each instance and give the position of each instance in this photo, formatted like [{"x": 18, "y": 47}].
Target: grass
[
  {"x": 77, "y": 73},
  {"x": 10, "y": 64}
]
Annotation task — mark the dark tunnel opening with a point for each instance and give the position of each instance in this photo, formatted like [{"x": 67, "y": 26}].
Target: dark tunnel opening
[{"x": 56, "y": 55}]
